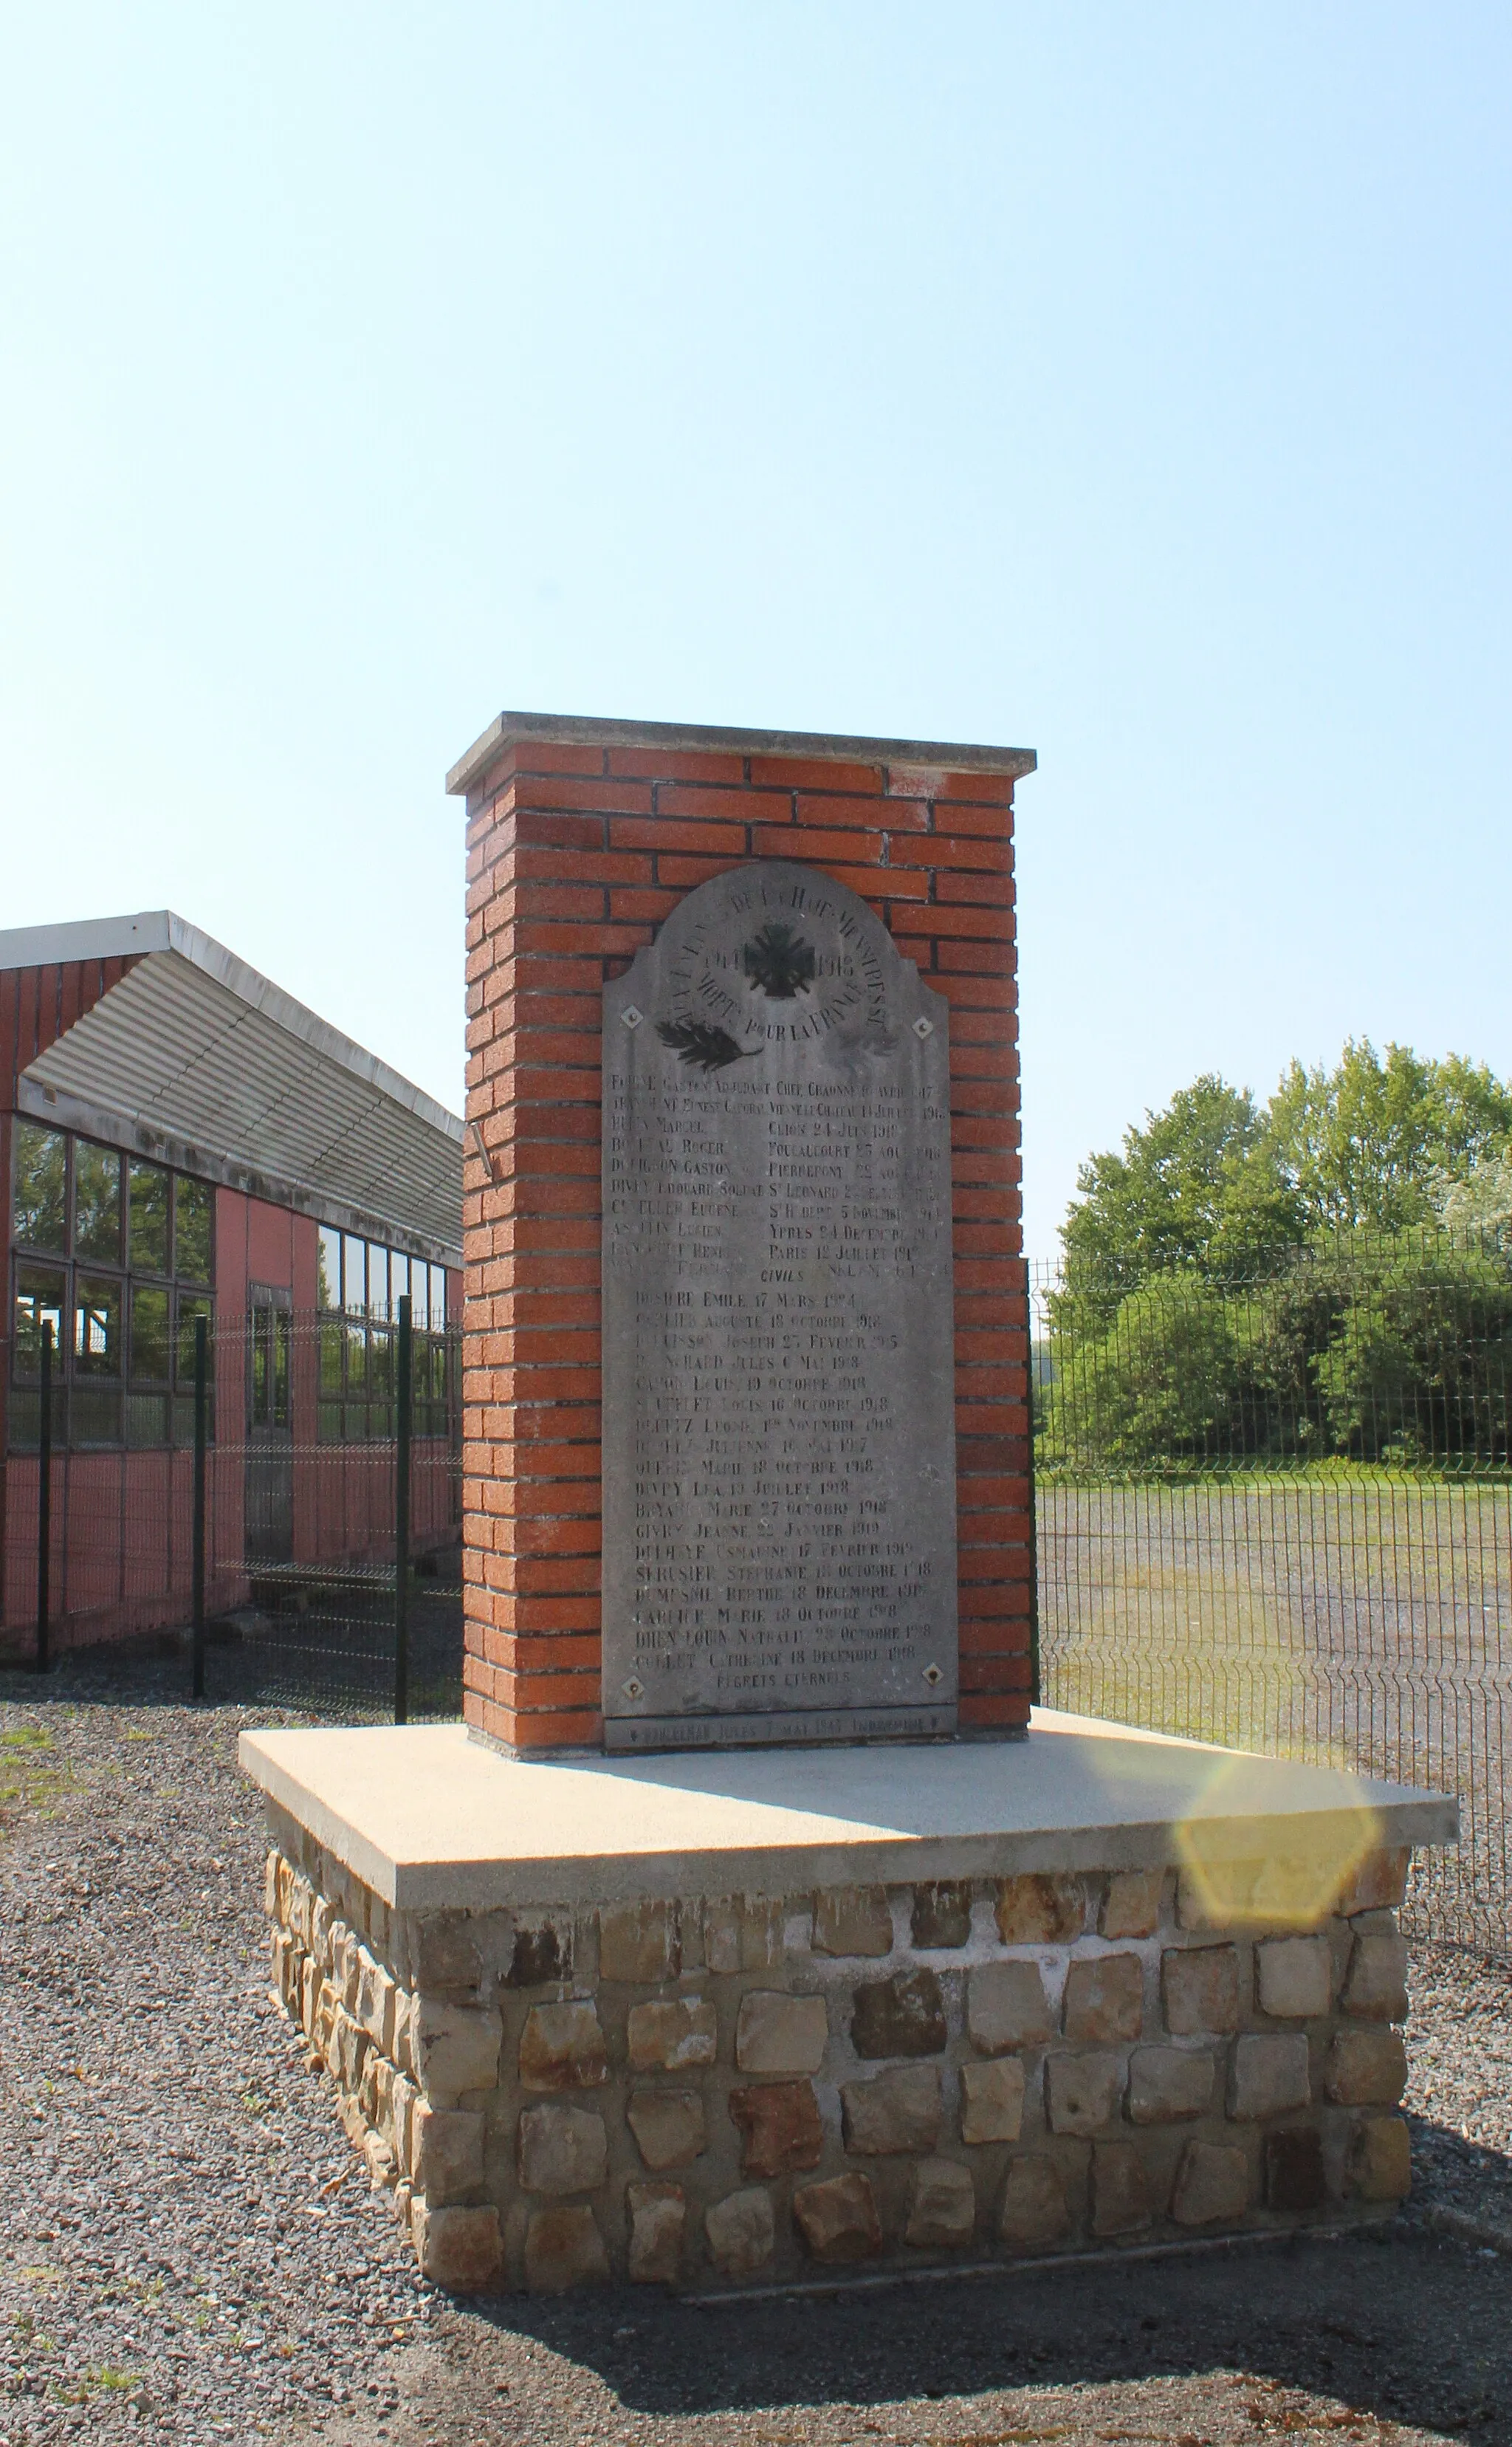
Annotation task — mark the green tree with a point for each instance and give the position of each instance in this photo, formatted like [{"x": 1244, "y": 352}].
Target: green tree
[
  {"x": 1370, "y": 1146},
  {"x": 1157, "y": 1389},
  {"x": 1196, "y": 1187},
  {"x": 1420, "y": 1365}
]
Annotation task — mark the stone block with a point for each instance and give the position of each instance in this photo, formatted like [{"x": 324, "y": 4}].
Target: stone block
[
  {"x": 445, "y": 2156},
  {"x": 896, "y": 2110},
  {"x": 1269, "y": 2075},
  {"x": 562, "y": 2150},
  {"x": 540, "y": 1952},
  {"x": 1212, "y": 2185},
  {"x": 381, "y": 2169},
  {"x": 1104, "y": 2000},
  {"x": 901, "y": 2016},
  {"x": 1375, "y": 1984},
  {"x": 351, "y": 2044},
  {"x": 1131, "y": 1907},
  {"x": 942, "y": 2207},
  {"x": 1293, "y": 1977},
  {"x": 563, "y": 2247},
  {"x": 1006, "y": 2007},
  {"x": 1294, "y": 2178},
  {"x": 671, "y": 2034},
  {"x": 1378, "y": 1884},
  {"x": 853, "y": 1920},
  {"x": 301, "y": 1906},
  {"x": 405, "y": 2057},
  {"x": 779, "y": 2034},
  {"x": 1165, "y": 2085},
  {"x": 658, "y": 2214},
  {"x": 1381, "y": 2159},
  {"x": 456, "y": 2049},
  {"x": 779, "y": 2127},
  {"x": 838, "y": 2220},
  {"x": 444, "y": 1960},
  {"x": 721, "y": 1920},
  {"x": 1199, "y": 1989},
  {"x": 638, "y": 1942},
  {"x": 1366, "y": 2069},
  {"x": 276, "y": 1873},
  {"x": 741, "y": 2231},
  {"x": 402, "y": 2099},
  {"x": 992, "y": 2100},
  {"x": 1033, "y": 2214},
  {"x": 1120, "y": 2197},
  {"x": 461, "y": 2249},
  {"x": 763, "y": 1932},
  {"x": 562, "y": 2047},
  {"x": 669, "y": 2126},
  {"x": 376, "y": 1994},
  {"x": 941, "y": 1914},
  {"x": 1082, "y": 2094},
  {"x": 1041, "y": 1911}
]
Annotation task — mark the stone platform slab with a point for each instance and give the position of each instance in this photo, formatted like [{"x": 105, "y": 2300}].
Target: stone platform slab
[
  {"x": 428, "y": 1818},
  {"x": 719, "y": 2023}
]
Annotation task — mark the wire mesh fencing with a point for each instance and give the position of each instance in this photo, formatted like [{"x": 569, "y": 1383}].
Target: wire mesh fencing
[
  {"x": 1278, "y": 1513},
  {"x": 305, "y": 1547}
]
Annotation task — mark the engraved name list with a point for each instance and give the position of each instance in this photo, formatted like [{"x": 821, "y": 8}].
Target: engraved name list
[{"x": 779, "y": 1393}]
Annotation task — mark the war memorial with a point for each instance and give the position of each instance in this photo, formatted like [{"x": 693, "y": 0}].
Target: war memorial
[{"x": 756, "y": 1929}]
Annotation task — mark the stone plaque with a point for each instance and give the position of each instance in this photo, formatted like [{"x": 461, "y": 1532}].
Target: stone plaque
[{"x": 779, "y": 1381}]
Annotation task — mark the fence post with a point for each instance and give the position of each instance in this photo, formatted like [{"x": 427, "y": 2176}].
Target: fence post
[
  {"x": 1036, "y": 1699},
  {"x": 403, "y": 1390},
  {"x": 201, "y": 1438},
  {"x": 44, "y": 1500}
]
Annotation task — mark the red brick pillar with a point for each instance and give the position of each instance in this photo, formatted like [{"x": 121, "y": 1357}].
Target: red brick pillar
[{"x": 581, "y": 837}]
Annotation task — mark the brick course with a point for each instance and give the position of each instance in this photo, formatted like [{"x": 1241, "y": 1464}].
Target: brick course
[{"x": 578, "y": 848}]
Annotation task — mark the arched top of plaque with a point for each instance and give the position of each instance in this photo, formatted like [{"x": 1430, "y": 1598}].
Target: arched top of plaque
[{"x": 770, "y": 958}]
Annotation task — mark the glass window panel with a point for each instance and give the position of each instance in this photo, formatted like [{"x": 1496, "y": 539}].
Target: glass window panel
[
  {"x": 95, "y": 1325},
  {"x": 149, "y": 1193},
  {"x": 398, "y": 1278},
  {"x": 354, "y": 1275},
  {"x": 282, "y": 1336},
  {"x": 380, "y": 1378},
  {"x": 261, "y": 1365},
  {"x": 96, "y": 1202},
  {"x": 357, "y": 1361},
  {"x": 39, "y": 1302},
  {"x": 41, "y": 1187},
  {"x": 419, "y": 1294},
  {"x": 95, "y": 1416},
  {"x": 328, "y": 1423},
  {"x": 149, "y": 1334},
  {"x": 189, "y": 1308},
  {"x": 377, "y": 1281},
  {"x": 147, "y": 1419},
  {"x": 192, "y": 1208},
  {"x": 328, "y": 1292},
  {"x": 438, "y": 1296},
  {"x": 331, "y": 1338}
]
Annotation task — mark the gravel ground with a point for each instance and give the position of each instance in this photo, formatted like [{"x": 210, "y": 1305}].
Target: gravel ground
[{"x": 189, "y": 2250}]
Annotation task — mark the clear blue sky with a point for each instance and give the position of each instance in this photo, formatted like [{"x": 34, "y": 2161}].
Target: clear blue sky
[{"x": 1131, "y": 385}]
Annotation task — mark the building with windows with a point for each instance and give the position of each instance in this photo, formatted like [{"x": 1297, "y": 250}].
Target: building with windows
[{"x": 179, "y": 1139}]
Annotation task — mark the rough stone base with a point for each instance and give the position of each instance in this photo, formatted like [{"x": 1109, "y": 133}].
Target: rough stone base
[{"x": 767, "y": 2088}]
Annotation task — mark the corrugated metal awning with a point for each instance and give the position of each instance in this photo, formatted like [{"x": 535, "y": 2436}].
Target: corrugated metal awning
[{"x": 196, "y": 1058}]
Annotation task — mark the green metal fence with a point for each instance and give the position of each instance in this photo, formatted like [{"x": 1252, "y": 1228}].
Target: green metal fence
[{"x": 1279, "y": 1514}]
